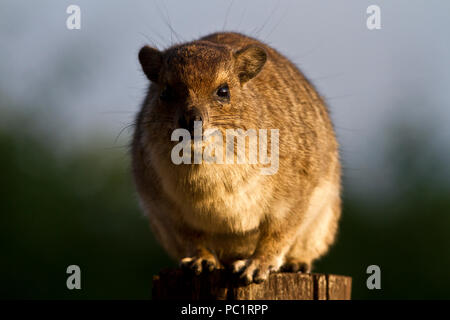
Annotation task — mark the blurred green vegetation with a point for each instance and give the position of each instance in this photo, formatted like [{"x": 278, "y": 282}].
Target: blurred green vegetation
[
  {"x": 72, "y": 209},
  {"x": 80, "y": 208},
  {"x": 406, "y": 229}
]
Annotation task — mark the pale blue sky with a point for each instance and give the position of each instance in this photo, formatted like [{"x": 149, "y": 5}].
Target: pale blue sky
[{"x": 86, "y": 82}]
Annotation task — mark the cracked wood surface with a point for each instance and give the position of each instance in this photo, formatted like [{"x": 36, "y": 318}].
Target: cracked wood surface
[{"x": 176, "y": 284}]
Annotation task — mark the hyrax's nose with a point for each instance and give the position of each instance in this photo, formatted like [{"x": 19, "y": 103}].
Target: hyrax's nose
[{"x": 187, "y": 119}]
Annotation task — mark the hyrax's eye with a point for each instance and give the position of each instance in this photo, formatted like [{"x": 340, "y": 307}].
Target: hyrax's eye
[
  {"x": 166, "y": 94},
  {"x": 223, "y": 92}
]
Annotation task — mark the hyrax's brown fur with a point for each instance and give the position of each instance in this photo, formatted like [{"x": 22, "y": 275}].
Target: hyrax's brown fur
[{"x": 214, "y": 215}]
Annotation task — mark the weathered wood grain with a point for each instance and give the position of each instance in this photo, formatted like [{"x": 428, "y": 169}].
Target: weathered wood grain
[{"x": 175, "y": 284}]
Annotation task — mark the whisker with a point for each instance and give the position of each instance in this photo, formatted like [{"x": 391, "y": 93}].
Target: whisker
[
  {"x": 116, "y": 147},
  {"x": 116, "y": 112},
  {"x": 150, "y": 40},
  {"x": 242, "y": 18},
  {"x": 344, "y": 96},
  {"x": 274, "y": 9},
  {"x": 282, "y": 18},
  {"x": 122, "y": 130},
  {"x": 224, "y": 116},
  {"x": 166, "y": 18},
  {"x": 226, "y": 14}
]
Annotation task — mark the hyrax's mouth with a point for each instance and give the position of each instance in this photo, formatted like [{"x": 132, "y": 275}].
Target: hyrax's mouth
[{"x": 213, "y": 146}]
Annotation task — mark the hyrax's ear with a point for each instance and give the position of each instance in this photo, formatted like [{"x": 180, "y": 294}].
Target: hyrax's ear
[
  {"x": 151, "y": 61},
  {"x": 249, "y": 62}
]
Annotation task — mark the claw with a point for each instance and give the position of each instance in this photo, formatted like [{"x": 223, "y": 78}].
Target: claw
[
  {"x": 199, "y": 265},
  {"x": 239, "y": 266},
  {"x": 252, "y": 271},
  {"x": 296, "y": 266}
]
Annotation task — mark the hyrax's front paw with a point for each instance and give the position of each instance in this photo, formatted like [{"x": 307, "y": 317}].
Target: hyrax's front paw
[
  {"x": 199, "y": 264},
  {"x": 253, "y": 270},
  {"x": 296, "y": 266}
]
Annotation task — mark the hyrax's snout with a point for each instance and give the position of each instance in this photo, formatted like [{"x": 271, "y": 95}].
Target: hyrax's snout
[{"x": 187, "y": 119}]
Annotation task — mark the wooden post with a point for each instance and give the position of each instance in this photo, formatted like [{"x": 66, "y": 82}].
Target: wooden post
[{"x": 175, "y": 284}]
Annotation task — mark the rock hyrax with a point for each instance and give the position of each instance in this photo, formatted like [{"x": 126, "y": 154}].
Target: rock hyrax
[{"x": 213, "y": 215}]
